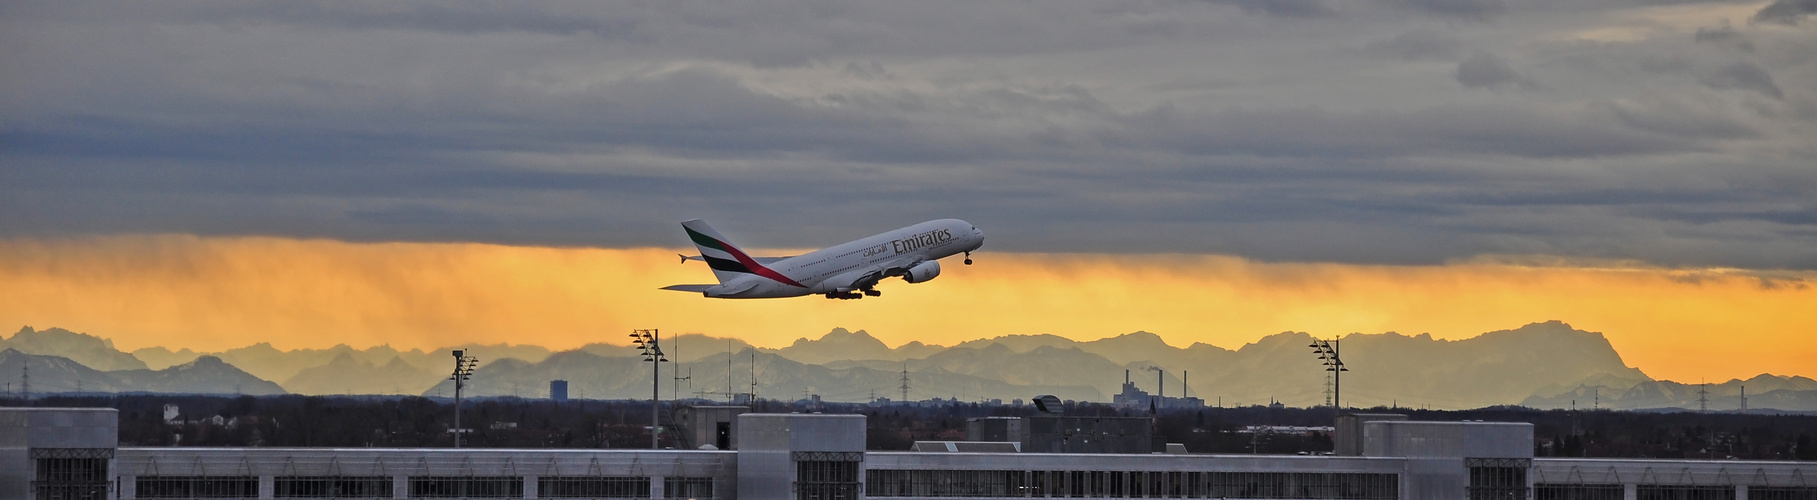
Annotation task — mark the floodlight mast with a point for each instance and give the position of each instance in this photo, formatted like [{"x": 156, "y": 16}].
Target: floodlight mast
[
  {"x": 1328, "y": 354},
  {"x": 647, "y": 344},
  {"x": 463, "y": 368}
]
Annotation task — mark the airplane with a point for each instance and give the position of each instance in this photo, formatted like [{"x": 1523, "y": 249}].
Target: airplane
[{"x": 849, "y": 270}]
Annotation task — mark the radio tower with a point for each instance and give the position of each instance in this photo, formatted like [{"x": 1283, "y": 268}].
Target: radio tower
[
  {"x": 905, "y": 385},
  {"x": 25, "y": 382}
]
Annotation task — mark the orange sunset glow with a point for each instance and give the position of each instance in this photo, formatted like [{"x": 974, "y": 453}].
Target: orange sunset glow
[{"x": 211, "y": 294}]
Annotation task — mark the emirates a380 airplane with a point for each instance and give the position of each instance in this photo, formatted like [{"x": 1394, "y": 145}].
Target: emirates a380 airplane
[{"x": 846, "y": 271}]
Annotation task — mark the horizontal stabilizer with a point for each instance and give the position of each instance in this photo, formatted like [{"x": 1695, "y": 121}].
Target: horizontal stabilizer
[{"x": 689, "y": 288}]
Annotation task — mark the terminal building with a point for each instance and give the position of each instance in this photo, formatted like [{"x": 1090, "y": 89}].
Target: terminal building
[{"x": 50, "y": 453}]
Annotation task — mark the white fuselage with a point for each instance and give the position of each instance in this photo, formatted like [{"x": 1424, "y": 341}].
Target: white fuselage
[{"x": 859, "y": 264}]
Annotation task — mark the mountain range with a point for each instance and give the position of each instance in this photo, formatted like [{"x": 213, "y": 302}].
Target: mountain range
[
  {"x": 1544, "y": 365},
  {"x": 58, "y": 374}
]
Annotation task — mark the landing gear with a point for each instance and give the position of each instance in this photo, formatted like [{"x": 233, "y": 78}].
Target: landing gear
[
  {"x": 968, "y": 258},
  {"x": 873, "y": 293},
  {"x": 849, "y": 295}
]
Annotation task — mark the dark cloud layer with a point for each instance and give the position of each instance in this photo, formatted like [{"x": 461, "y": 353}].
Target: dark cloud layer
[
  {"x": 1274, "y": 129},
  {"x": 1787, "y": 12}
]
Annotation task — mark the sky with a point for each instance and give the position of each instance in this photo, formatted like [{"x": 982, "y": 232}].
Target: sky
[{"x": 1208, "y": 170}]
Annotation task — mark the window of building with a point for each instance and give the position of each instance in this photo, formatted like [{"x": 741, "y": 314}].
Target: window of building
[
  {"x": 70, "y": 473},
  {"x": 1782, "y": 493},
  {"x": 1577, "y": 492},
  {"x": 1684, "y": 492},
  {"x": 332, "y": 486},
  {"x": 197, "y": 487},
  {"x": 466, "y": 487},
  {"x": 946, "y": 483},
  {"x": 1296, "y": 485},
  {"x": 1121, "y": 484},
  {"x": 827, "y": 475},
  {"x": 593, "y": 487},
  {"x": 686, "y": 487},
  {"x": 1498, "y": 478}
]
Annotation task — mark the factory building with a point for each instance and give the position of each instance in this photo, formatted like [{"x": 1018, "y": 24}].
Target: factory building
[{"x": 74, "y": 454}]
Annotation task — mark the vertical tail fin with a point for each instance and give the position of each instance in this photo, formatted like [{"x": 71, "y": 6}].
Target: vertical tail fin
[{"x": 724, "y": 258}]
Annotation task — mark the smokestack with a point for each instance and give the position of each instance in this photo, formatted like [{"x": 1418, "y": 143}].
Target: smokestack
[
  {"x": 1183, "y": 386},
  {"x": 1125, "y": 376}
]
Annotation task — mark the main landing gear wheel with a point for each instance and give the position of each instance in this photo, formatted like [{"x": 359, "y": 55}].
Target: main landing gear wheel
[{"x": 873, "y": 293}]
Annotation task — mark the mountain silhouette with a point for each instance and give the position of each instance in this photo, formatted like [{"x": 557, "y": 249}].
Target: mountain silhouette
[
  {"x": 50, "y": 373},
  {"x": 1547, "y": 365},
  {"x": 1763, "y": 391},
  {"x": 57, "y": 374},
  {"x": 204, "y": 375},
  {"x": 346, "y": 374},
  {"x": 91, "y": 351},
  {"x": 838, "y": 345}
]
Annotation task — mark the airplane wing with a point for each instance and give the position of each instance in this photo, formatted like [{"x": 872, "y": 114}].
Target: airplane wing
[
  {"x": 689, "y": 288},
  {"x": 728, "y": 289},
  {"x": 868, "y": 278},
  {"x": 760, "y": 260}
]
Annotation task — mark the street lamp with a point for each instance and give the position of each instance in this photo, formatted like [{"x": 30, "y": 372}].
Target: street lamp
[
  {"x": 463, "y": 368},
  {"x": 646, "y": 341},
  {"x": 1328, "y": 355}
]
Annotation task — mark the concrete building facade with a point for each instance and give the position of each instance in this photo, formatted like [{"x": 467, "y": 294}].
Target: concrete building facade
[{"x": 73, "y": 454}]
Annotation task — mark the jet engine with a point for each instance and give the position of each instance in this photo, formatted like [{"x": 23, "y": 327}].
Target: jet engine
[{"x": 922, "y": 272}]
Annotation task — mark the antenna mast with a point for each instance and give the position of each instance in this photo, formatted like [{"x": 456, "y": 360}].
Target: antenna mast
[
  {"x": 729, "y": 371},
  {"x": 675, "y": 386}
]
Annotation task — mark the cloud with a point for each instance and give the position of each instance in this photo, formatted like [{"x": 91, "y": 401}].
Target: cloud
[
  {"x": 1744, "y": 76},
  {"x": 1476, "y": 10},
  {"x": 1725, "y": 35},
  {"x": 1486, "y": 70},
  {"x": 1419, "y": 45},
  {"x": 1278, "y": 131},
  {"x": 1786, "y": 12},
  {"x": 1285, "y": 8}
]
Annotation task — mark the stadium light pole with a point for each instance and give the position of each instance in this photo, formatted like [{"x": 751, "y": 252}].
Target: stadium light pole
[
  {"x": 463, "y": 368},
  {"x": 646, "y": 341},
  {"x": 1328, "y": 354}
]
